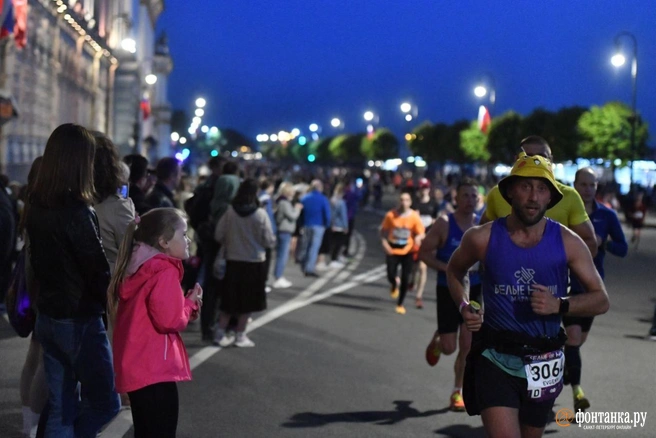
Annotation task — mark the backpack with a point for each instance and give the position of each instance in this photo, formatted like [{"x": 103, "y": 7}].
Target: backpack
[{"x": 198, "y": 206}]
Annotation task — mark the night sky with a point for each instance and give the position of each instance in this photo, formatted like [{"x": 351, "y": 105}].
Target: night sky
[{"x": 272, "y": 65}]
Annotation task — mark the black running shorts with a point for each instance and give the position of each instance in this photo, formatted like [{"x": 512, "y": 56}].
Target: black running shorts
[
  {"x": 448, "y": 314},
  {"x": 495, "y": 387}
]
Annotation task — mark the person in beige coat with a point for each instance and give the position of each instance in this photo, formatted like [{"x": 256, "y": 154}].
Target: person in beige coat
[{"x": 114, "y": 210}]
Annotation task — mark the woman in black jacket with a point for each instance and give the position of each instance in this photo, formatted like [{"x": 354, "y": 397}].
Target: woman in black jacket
[{"x": 73, "y": 274}]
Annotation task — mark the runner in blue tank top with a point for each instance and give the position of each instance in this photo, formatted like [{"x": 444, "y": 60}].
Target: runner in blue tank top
[
  {"x": 515, "y": 367},
  {"x": 610, "y": 238},
  {"x": 440, "y": 242}
]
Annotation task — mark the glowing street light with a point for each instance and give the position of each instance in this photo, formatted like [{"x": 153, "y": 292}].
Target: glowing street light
[
  {"x": 314, "y": 127},
  {"x": 199, "y": 112},
  {"x": 205, "y": 129},
  {"x": 273, "y": 137},
  {"x": 619, "y": 60},
  {"x": 408, "y": 117},
  {"x": 487, "y": 86},
  {"x": 368, "y": 116},
  {"x": 151, "y": 79},
  {"x": 335, "y": 123},
  {"x": 200, "y": 102},
  {"x": 183, "y": 140},
  {"x": 295, "y": 132},
  {"x": 406, "y": 107},
  {"x": 196, "y": 120},
  {"x": 175, "y": 136},
  {"x": 129, "y": 45}
]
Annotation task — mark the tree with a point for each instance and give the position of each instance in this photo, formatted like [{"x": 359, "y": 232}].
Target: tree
[
  {"x": 473, "y": 143},
  {"x": 606, "y": 133},
  {"x": 320, "y": 150},
  {"x": 450, "y": 141},
  {"x": 422, "y": 141},
  {"x": 504, "y": 137},
  {"x": 567, "y": 138},
  {"x": 382, "y": 145},
  {"x": 346, "y": 148},
  {"x": 298, "y": 152}
]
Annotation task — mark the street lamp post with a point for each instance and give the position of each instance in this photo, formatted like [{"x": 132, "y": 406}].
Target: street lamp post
[
  {"x": 409, "y": 112},
  {"x": 618, "y": 60}
]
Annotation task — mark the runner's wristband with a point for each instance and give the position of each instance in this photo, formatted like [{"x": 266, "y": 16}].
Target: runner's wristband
[{"x": 463, "y": 304}]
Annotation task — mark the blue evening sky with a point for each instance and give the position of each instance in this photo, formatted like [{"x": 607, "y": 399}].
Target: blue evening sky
[{"x": 272, "y": 65}]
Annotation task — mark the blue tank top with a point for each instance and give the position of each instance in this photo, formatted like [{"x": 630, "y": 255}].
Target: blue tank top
[
  {"x": 444, "y": 254},
  {"x": 509, "y": 273}
]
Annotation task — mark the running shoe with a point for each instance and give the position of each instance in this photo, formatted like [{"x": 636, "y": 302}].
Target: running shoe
[
  {"x": 457, "y": 402},
  {"x": 580, "y": 402},
  {"x": 419, "y": 303},
  {"x": 400, "y": 310},
  {"x": 394, "y": 292},
  {"x": 433, "y": 351}
]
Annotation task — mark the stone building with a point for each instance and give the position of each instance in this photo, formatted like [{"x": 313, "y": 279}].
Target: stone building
[{"x": 85, "y": 62}]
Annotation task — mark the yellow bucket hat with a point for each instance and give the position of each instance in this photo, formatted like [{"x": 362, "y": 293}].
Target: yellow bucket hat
[{"x": 531, "y": 167}]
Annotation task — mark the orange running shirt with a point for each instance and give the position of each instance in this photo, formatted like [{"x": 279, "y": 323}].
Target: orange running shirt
[{"x": 400, "y": 231}]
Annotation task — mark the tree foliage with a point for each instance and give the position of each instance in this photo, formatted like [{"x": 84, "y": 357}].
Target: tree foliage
[
  {"x": 382, "y": 145},
  {"x": 504, "y": 137},
  {"x": 606, "y": 132},
  {"x": 473, "y": 143}
]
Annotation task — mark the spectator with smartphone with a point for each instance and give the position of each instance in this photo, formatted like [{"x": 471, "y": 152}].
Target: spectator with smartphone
[{"x": 114, "y": 209}]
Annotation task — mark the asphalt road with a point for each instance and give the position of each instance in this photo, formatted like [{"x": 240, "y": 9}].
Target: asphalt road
[{"x": 333, "y": 359}]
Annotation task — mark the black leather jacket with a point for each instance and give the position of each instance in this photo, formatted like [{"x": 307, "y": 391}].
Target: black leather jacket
[{"x": 68, "y": 260}]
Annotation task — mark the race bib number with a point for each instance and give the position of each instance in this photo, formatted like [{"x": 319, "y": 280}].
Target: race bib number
[
  {"x": 400, "y": 236},
  {"x": 544, "y": 375}
]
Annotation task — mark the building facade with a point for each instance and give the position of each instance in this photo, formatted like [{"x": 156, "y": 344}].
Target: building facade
[{"x": 82, "y": 64}]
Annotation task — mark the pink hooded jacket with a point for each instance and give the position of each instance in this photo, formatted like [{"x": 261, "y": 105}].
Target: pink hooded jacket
[{"x": 152, "y": 310}]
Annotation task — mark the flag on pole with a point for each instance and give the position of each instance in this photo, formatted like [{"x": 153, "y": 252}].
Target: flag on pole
[
  {"x": 20, "y": 23},
  {"x": 145, "y": 108},
  {"x": 484, "y": 120},
  {"x": 6, "y": 18}
]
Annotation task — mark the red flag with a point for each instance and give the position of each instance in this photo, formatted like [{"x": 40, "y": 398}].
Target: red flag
[
  {"x": 20, "y": 23},
  {"x": 145, "y": 108},
  {"x": 484, "y": 120}
]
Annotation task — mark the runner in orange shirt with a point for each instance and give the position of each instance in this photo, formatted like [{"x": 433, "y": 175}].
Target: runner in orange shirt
[{"x": 400, "y": 231}]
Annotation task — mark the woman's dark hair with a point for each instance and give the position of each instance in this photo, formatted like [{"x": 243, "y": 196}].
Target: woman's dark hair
[
  {"x": 29, "y": 187},
  {"x": 66, "y": 171},
  {"x": 230, "y": 168},
  {"x": 166, "y": 168},
  {"x": 247, "y": 193},
  {"x": 138, "y": 167},
  {"x": 106, "y": 170}
]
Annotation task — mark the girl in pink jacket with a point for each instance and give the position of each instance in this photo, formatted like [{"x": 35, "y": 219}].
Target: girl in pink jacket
[{"x": 149, "y": 310}]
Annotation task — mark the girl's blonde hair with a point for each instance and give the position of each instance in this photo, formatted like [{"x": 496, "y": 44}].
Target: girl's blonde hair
[
  {"x": 286, "y": 189},
  {"x": 338, "y": 191},
  {"x": 159, "y": 223}
]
